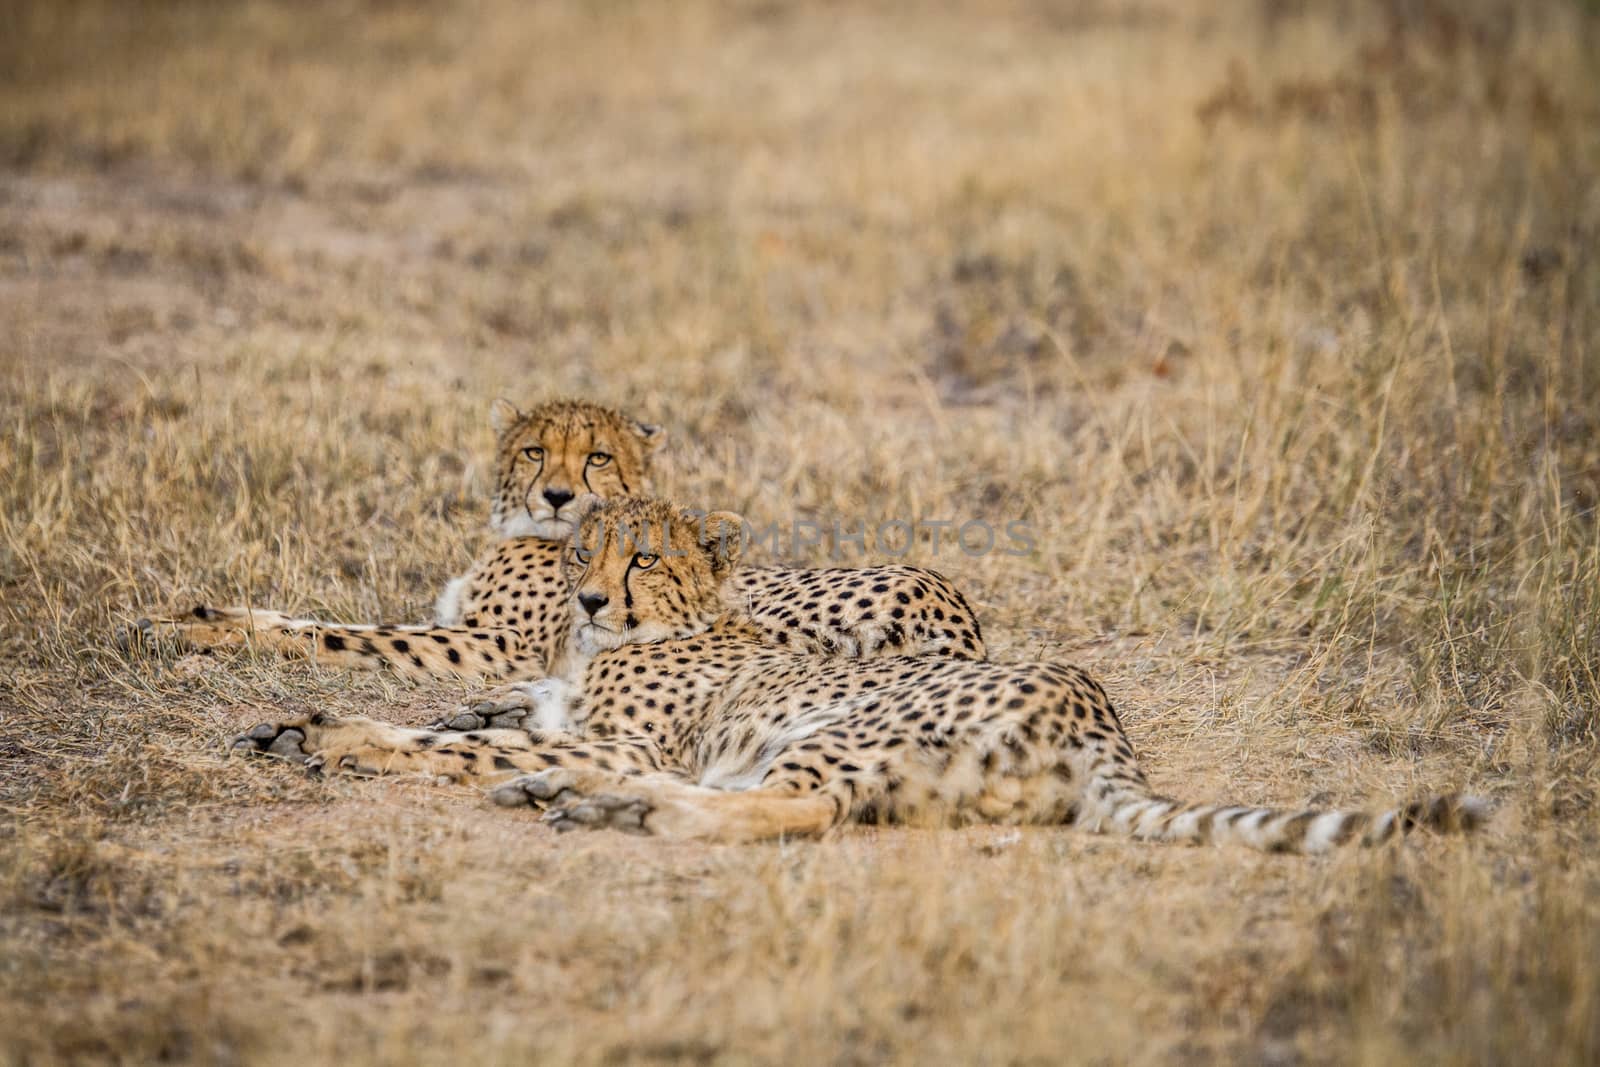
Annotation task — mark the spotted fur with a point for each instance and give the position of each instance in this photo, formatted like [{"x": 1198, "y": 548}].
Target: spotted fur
[
  {"x": 673, "y": 715},
  {"x": 506, "y": 618}
]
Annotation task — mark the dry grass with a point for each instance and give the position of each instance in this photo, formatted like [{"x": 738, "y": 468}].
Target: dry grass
[{"x": 1278, "y": 322}]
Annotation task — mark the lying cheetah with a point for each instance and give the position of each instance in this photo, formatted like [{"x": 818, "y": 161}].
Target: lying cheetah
[
  {"x": 506, "y": 618},
  {"x": 674, "y": 716}
]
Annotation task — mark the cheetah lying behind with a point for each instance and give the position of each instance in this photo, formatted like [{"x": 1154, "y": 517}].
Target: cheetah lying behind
[
  {"x": 673, "y": 716},
  {"x": 506, "y": 619}
]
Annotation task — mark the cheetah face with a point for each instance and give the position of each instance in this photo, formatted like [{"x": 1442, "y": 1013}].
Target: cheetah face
[
  {"x": 551, "y": 456},
  {"x": 644, "y": 570}
]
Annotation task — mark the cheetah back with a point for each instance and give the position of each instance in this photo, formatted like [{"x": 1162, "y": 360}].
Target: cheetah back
[{"x": 860, "y": 612}]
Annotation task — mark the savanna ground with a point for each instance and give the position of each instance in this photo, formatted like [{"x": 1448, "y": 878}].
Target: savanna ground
[{"x": 1279, "y": 323}]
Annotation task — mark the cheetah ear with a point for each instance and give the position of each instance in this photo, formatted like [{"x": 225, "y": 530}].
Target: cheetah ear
[
  {"x": 722, "y": 536},
  {"x": 652, "y": 437},
  {"x": 503, "y": 415}
]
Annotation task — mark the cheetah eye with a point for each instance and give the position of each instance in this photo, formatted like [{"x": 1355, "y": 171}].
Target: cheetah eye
[
  {"x": 644, "y": 562},
  {"x": 599, "y": 459},
  {"x": 582, "y": 555},
  {"x": 534, "y": 452}
]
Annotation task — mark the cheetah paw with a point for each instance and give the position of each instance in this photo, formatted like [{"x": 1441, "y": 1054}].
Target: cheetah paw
[
  {"x": 520, "y": 705},
  {"x": 203, "y": 629},
  {"x": 288, "y": 741},
  {"x": 139, "y": 635},
  {"x": 568, "y": 805},
  {"x": 146, "y": 636},
  {"x": 534, "y": 790},
  {"x": 317, "y": 766},
  {"x": 601, "y": 812},
  {"x": 273, "y": 739}
]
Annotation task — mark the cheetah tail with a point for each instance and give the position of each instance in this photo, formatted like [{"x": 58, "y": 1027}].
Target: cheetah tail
[{"x": 1140, "y": 815}]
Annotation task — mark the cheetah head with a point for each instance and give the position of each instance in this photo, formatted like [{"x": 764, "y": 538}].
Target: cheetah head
[
  {"x": 644, "y": 570},
  {"x": 550, "y": 456}
]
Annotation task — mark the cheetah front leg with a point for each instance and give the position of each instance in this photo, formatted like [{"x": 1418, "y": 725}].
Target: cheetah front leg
[
  {"x": 363, "y": 746},
  {"x": 417, "y": 652},
  {"x": 367, "y": 747},
  {"x": 212, "y": 628}
]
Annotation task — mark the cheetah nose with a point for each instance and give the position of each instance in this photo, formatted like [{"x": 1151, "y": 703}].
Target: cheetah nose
[
  {"x": 557, "y": 497},
  {"x": 593, "y": 602}
]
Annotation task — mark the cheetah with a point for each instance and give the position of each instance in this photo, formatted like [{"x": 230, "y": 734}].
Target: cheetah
[
  {"x": 505, "y": 619},
  {"x": 672, "y": 715}
]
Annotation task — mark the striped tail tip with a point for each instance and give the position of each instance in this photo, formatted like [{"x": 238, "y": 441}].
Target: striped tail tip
[
  {"x": 1450, "y": 813},
  {"x": 1277, "y": 830}
]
